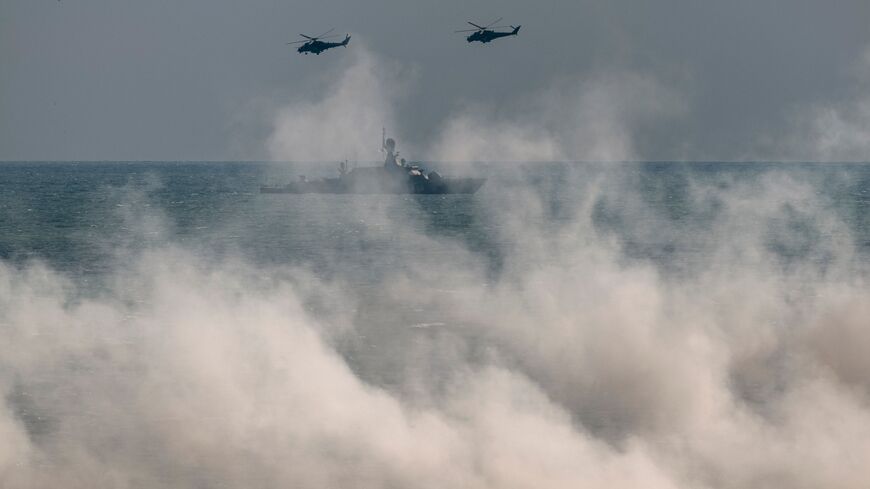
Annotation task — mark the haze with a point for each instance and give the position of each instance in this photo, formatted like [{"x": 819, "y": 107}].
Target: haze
[{"x": 197, "y": 80}]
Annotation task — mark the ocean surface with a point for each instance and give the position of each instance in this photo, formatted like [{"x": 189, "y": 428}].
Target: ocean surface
[
  {"x": 167, "y": 324},
  {"x": 75, "y": 215}
]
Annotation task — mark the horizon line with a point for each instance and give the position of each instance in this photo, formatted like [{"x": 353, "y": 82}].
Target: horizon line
[{"x": 534, "y": 162}]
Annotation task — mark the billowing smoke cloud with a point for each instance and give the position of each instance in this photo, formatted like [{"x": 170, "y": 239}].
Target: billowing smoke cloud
[
  {"x": 588, "y": 370},
  {"x": 210, "y": 377},
  {"x": 579, "y": 120},
  {"x": 835, "y": 131},
  {"x": 832, "y": 133},
  {"x": 573, "y": 363},
  {"x": 346, "y": 121},
  {"x": 576, "y": 120}
]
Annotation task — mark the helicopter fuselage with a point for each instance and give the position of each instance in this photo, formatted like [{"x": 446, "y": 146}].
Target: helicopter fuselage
[
  {"x": 317, "y": 47},
  {"x": 486, "y": 35}
]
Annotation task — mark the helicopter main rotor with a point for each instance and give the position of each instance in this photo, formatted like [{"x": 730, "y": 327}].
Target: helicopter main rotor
[
  {"x": 315, "y": 38},
  {"x": 491, "y": 25}
]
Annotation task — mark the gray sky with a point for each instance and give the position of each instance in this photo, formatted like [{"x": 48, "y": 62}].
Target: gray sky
[{"x": 196, "y": 79}]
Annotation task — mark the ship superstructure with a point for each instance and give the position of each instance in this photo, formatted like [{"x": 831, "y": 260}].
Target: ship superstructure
[{"x": 395, "y": 176}]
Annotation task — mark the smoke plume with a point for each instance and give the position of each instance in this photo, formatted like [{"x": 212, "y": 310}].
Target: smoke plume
[{"x": 557, "y": 355}]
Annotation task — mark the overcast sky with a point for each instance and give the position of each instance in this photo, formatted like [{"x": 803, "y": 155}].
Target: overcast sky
[{"x": 200, "y": 80}]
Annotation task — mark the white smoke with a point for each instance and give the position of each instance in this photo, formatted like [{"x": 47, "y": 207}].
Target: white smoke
[
  {"x": 601, "y": 373},
  {"x": 572, "y": 366},
  {"x": 346, "y": 120},
  {"x": 212, "y": 378},
  {"x": 832, "y": 131},
  {"x": 576, "y": 120},
  {"x": 605, "y": 374},
  {"x": 594, "y": 119},
  {"x": 836, "y": 132}
]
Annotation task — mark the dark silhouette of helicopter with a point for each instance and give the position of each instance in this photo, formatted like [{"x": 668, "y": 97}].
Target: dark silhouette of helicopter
[
  {"x": 484, "y": 34},
  {"x": 313, "y": 44}
]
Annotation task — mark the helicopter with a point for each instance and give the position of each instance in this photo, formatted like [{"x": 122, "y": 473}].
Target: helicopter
[
  {"x": 484, "y": 34},
  {"x": 313, "y": 44}
]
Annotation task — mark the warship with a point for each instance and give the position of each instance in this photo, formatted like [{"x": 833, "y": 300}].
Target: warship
[{"x": 395, "y": 176}]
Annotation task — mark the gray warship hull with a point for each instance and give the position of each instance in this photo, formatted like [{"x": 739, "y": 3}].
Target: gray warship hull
[
  {"x": 379, "y": 181},
  {"x": 394, "y": 177}
]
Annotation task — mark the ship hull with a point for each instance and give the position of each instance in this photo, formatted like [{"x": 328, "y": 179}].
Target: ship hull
[{"x": 379, "y": 185}]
